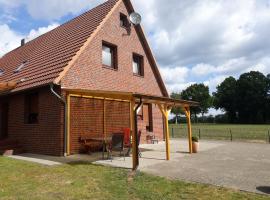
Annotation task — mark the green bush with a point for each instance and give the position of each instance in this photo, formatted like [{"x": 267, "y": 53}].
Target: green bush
[{"x": 195, "y": 139}]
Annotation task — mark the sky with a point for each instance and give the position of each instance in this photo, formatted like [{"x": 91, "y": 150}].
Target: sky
[{"x": 194, "y": 41}]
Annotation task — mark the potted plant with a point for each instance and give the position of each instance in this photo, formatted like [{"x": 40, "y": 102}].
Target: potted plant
[{"x": 195, "y": 144}]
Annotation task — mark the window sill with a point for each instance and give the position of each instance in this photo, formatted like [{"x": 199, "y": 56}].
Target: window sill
[
  {"x": 109, "y": 67},
  {"x": 138, "y": 75}
]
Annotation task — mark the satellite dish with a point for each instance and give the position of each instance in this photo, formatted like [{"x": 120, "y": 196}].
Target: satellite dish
[{"x": 135, "y": 18}]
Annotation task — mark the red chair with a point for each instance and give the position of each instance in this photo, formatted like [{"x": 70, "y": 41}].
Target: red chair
[{"x": 127, "y": 142}]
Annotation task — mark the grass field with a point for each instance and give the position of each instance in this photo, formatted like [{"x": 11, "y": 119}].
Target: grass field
[
  {"x": 24, "y": 180},
  {"x": 223, "y": 131}
]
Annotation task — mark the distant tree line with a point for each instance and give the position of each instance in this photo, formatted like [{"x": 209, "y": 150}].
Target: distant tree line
[{"x": 244, "y": 100}]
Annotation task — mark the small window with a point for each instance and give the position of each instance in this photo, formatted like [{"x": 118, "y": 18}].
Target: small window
[
  {"x": 20, "y": 67},
  {"x": 1, "y": 72},
  {"x": 138, "y": 65},
  {"x": 31, "y": 108},
  {"x": 124, "y": 21},
  {"x": 109, "y": 55}
]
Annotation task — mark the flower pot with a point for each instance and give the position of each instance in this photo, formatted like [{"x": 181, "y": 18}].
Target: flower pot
[{"x": 195, "y": 147}]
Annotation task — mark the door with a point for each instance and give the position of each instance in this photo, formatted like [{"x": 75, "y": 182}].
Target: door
[{"x": 4, "y": 121}]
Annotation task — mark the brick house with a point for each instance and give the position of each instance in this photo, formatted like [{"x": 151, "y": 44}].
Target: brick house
[{"x": 97, "y": 51}]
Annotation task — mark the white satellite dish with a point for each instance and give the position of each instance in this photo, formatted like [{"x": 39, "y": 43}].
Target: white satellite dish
[{"x": 135, "y": 18}]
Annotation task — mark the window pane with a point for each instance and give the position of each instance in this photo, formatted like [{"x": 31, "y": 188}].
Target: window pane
[
  {"x": 135, "y": 67},
  {"x": 107, "y": 56}
]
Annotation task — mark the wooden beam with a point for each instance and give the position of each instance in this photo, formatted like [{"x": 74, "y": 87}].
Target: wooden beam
[
  {"x": 167, "y": 135},
  {"x": 187, "y": 112},
  {"x": 135, "y": 156},
  {"x": 165, "y": 112},
  {"x": 122, "y": 96}
]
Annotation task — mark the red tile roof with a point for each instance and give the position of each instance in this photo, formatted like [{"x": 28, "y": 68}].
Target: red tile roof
[{"x": 49, "y": 54}]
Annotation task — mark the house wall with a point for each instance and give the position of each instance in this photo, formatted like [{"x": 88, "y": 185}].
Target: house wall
[
  {"x": 87, "y": 119},
  {"x": 46, "y": 137},
  {"x": 88, "y": 72}
]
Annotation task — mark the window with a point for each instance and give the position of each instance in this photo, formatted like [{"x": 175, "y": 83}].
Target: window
[
  {"x": 124, "y": 21},
  {"x": 109, "y": 55},
  {"x": 31, "y": 108},
  {"x": 138, "y": 65},
  {"x": 20, "y": 67},
  {"x": 1, "y": 72}
]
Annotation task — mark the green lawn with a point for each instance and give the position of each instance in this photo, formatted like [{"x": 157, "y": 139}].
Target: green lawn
[
  {"x": 223, "y": 131},
  {"x": 24, "y": 180}
]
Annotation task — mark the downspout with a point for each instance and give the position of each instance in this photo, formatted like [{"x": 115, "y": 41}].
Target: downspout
[
  {"x": 65, "y": 116},
  {"x": 136, "y": 133}
]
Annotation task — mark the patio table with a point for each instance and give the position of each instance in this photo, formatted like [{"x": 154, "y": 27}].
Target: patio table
[{"x": 105, "y": 141}]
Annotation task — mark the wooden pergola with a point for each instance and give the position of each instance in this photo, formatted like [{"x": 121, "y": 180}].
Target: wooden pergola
[
  {"x": 136, "y": 101},
  {"x": 7, "y": 86}
]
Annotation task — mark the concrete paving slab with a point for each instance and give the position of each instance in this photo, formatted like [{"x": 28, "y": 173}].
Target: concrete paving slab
[
  {"x": 238, "y": 165},
  {"x": 30, "y": 158}
]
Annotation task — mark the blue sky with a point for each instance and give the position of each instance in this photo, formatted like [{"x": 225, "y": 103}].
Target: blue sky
[{"x": 194, "y": 41}]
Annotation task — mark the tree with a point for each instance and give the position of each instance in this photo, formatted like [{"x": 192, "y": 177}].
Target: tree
[
  {"x": 176, "y": 110},
  {"x": 252, "y": 97},
  {"x": 199, "y": 93},
  {"x": 225, "y": 98}
]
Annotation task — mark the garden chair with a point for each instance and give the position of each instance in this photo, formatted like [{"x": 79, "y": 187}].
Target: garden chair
[{"x": 117, "y": 144}]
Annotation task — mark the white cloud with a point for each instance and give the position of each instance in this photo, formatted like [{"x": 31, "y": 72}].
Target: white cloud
[
  {"x": 214, "y": 112},
  {"x": 10, "y": 39},
  {"x": 50, "y": 10},
  {"x": 178, "y": 87},
  {"x": 35, "y": 33},
  {"x": 173, "y": 75},
  {"x": 212, "y": 82},
  {"x": 202, "y": 69}
]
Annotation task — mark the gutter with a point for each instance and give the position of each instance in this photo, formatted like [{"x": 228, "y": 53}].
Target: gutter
[{"x": 65, "y": 116}]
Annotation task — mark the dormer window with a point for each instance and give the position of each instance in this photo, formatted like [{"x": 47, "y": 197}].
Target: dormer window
[
  {"x": 124, "y": 21},
  {"x": 1, "y": 72},
  {"x": 20, "y": 67}
]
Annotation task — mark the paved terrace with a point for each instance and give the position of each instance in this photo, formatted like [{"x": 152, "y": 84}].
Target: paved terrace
[{"x": 243, "y": 166}]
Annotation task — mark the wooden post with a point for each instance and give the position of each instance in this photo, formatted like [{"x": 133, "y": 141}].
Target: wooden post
[
  {"x": 167, "y": 135},
  {"x": 165, "y": 112},
  {"x": 187, "y": 112},
  {"x": 135, "y": 156}
]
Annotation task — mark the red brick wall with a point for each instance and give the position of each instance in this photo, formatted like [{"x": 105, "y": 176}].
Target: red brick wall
[
  {"x": 87, "y": 119},
  {"x": 88, "y": 72},
  {"x": 46, "y": 137}
]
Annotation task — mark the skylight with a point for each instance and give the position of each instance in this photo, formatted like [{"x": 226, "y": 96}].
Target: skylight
[
  {"x": 1, "y": 72},
  {"x": 20, "y": 67}
]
